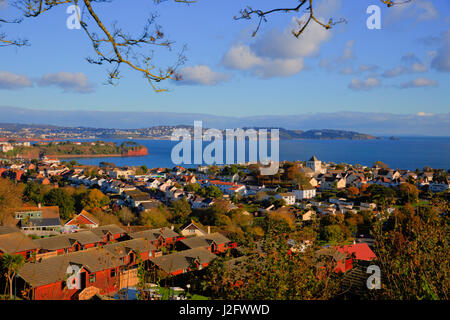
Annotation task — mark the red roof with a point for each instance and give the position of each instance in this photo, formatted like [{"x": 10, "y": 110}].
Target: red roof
[{"x": 361, "y": 251}]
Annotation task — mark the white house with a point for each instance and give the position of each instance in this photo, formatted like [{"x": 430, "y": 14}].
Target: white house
[
  {"x": 288, "y": 197},
  {"x": 304, "y": 194}
]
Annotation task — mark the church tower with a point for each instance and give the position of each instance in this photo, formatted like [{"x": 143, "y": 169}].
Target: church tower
[{"x": 314, "y": 164}]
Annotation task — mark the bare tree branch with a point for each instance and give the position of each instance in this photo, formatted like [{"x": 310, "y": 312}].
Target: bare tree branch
[
  {"x": 249, "y": 12},
  {"x": 115, "y": 47}
]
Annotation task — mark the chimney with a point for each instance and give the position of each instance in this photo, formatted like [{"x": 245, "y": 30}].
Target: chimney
[{"x": 209, "y": 229}]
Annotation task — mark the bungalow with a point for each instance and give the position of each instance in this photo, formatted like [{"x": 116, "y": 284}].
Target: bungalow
[
  {"x": 109, "y": 232},
  {"x": 192, "y": 230},
  {"x": 158, "y": 237},
  {"x": 72, "y": 276},
  {"x": 66, "y": 243},
  {"x": 184, "y": 261},
  {"x": 214, "y": 242},
  {"x": 128, "y": 251},
  {"x": 83, "y": 219},
  {"x": 345, "y": 256},
  {"x": 13, "y": 241}
]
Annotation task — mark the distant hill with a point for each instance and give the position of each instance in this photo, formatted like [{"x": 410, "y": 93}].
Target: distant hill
[{"x": 11, "y": 131}]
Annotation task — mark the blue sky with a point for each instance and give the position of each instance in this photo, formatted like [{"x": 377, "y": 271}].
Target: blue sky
[{"x": 402, "y": 68}]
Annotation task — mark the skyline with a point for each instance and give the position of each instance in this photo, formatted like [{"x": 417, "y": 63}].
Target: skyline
[
  {"x": 401, "y": 69},
  {"x": 381, "y": 124}
]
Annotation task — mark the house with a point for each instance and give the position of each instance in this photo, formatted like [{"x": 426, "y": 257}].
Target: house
[
  {"x": 39, "y": 221},
  {"x": 149, "y": 205},
  {"x": 329, "y": 182},
  {"x": 72, "y": 276},
  {"x": 15, "y": 242},
  {"x": 344, "y": 256},
  {"x": 67, "y": 243},
  {"x": 192, "y": 230},
  {"x": 83, "y": 219},
  {"x": 214, "y": 242},
  {"x": 129, "y": 250},
  {"x": 198, "y": 202},
  {"x": 5, "y": 147},
  {"x": 308, "y": 172},
  {"x": 367, "y": 206},
  {"x": 288, "y": 197},
  {"x": 304, "y": 193},
  {"x": 158, "y": 237},
  {"x": 308, "y": 215},
  {"x": 184, "y": 261},
  {"x": 121, "y": 173},
  {"x": 137, "y": 199},
  {"x": 109, "y": 232},
  {"x": 228, "y": 187},
  {"x": 153, "y": 183}
]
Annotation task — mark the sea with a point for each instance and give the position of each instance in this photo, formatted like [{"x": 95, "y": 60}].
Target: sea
[{"x": 406, "y": 153}]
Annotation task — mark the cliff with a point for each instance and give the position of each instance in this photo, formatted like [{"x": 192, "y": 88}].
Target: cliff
[{"x": 135, "y": 152}]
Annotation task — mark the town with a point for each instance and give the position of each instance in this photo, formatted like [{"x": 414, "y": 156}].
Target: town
[{"x": 76, "y": 232}]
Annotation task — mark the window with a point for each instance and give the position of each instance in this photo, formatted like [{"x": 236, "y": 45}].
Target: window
[
  {"x": 91, "y": 278},
  {"x": 113, "y": 273}
]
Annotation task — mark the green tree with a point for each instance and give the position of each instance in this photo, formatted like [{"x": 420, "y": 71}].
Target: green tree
[
  {"x": 192, "y": 187},
  {"x": 408, "y": 193},
  {"x": 93, "y": 198},
  {"x": 333, "y": 234},
  {"x": 412, "y": 250},
  {"x": 126, "y": 216},
  {"x": 181, "y": 209},
  {"x": 269, "y": 271},
  {"x": 65, "y": 202},
  {"x": 10, "y": 265}
]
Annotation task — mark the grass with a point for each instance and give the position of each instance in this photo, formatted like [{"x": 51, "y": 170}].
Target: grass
[{"x": 166, "y": 292}]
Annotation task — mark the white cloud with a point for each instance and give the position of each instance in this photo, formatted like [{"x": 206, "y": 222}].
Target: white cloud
[
  {"x": 277, "y": 53},
  {"x": 348, "y": 50},
  {"x": 441, "y": 59},
  {"x": 426, "y": 10},
  {"x": 424, "y": 114},
  {"x": 364, "y": 85},
  {"x": 14, "y": 81},
  {"x": 418, "y": 10},
  {"x": 361, "y": 69},
  {"x": 278, "y": 44},
  {"x": 279, "y": 68},
  {"x": 409, "y": 64},
  {"x": 241, "y": 57},
  {"x": 419, "y": 83},
  {"x": 202, "y": 75},
  {"x": 70, "y": 82}
]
